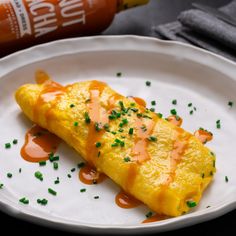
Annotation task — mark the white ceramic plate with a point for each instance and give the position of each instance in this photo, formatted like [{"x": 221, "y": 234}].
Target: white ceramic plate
[{"x": 176, "y": 71}]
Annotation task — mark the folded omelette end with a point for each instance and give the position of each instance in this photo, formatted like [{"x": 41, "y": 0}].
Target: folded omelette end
[{"x": 162, "y": 165}]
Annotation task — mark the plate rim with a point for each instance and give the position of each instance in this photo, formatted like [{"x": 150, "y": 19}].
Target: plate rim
[{"x": 99, "y": 43}]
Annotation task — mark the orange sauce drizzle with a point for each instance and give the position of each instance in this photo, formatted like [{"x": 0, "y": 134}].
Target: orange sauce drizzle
[
  {"x": 155, "y": 218},
  {"x": 140, "y": 101},
  {"x": 97, "y": 115},
  {"x": 88, "y": 175},
  {"x": 139, "y": 151},
  {"x": 175, "y": 120},
  {"x": 39, "y": 143},
  {"x": 203, "y": 135},
  {"x": 51, "y": 92},
  {"x": 126, "y": 201}
]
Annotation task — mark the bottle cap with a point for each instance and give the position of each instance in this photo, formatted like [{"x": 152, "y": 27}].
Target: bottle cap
[{"x": 126, "y": 4}]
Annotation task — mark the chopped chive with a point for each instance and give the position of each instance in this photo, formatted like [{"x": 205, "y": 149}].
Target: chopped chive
[
  {"x": 125, "y": 121},
  {"x": 174, "y": 102},
  {"x": 42, "y": 202},
  {"x": 38, "y": 175},
  {"x": 121, "y": 125},
  {"x": 148, "y": 83},
  {"x": 190, "y": 104},
  {"x": 152, "y": 139},
  {"x": 82, "y": 190},
  {"x": 191, "y": 204},
  {"x": 55, "y": 165},
  {"x": 208, "y": 206},
  {"x": 203, "y": 175},
  {"x": 149, "y": 214},
  {"x": 57, "y": 181},
  {"x": 96, "y": 197},
  {"x": 134, "y": 109},
  {"x": 98, "y": 144},
  {"x": 230, "y": 104},
  {"x": 53, "y": 158},
  {"x": 191, "y": 112},
  {"x": 76, "y": 123},
  {"x": 81, "y": 164},
  {"x": 15, "y": 141},
  {"x": 118, "y": 74},
  {"x": 120, "y": 130},
  {"x": 51, "y": 191},
  {"x": 122, "y": 107},
  {"x": 159, "y": 115},
  {"x": 97, "y": 126},
  {"x": 87, "y": 118},
  {"x": 139, "y": 115},
  {"x": 7, "y": 145},
  {"x": 122, "y": 144},
  {"x": 218, "y": 124},
  {"x": 106, "y": 127},
  {"x": 24, "y": 200},
  {"x": 212, "y": 153},
  {"x": 153, "y": 103},
  {"x": 226, "y": 179},
  {"x": 132, "y": 104},
  {"x": 99, "y": 154},
  {"x": 152, "y": 109},
  {"x": 69, "y": 176},
  {"x": 194, "y": 108},
  {"x": 131, "y": 131},
  {"x": 42, "y": 163},
  {"x": 1, "y": 185},
  {"x": 20, "y": 170},
  {"x": 72, "y": 170},
  {"x": 9, "y": 175},
  {"x": 114, "y": 145},
  {"x": 173, "y": 112},
  {"x": 127, "y": 159},
  {"x": 72, "y": 105}
]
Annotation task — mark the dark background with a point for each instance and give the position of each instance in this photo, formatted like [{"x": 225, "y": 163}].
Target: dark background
[{"x": 139, "y": 21}]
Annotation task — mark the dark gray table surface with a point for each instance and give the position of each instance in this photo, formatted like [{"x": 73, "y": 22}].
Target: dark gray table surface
[{"x": 139, "y": 21}]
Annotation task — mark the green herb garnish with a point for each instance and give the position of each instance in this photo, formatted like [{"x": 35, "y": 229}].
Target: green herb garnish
[
  {"x": 82, "y": 190},
  {"x": 81, "y": 164},
  {"x": 153, "y": 103},
  {"x": 96, "y": 197},
  {"x": 87, "y": 118},
  {"x": 1, "y": 185},
  {"x": 24, "y": 200},
  {"x": 127, "y": 159},
  {"x": 191, "y": 204},
  {"x": 159, "y": 115},
  {"x": 190, "y": 104},
  {"x": 42, "y": 202},
  {"x": 191, "y": 112},
  {"x": 173, "y": 112},
  {"x": 9, "y": 175},
  {"x": 218, "y": 124},
  {"x": 174, "y": 102},
  {"x": 42, "y": 163},
  {"x": 57, "y": 181},
  {"x": 7, "y": 145},
  {"x": 131, "y": 131},
  {"x": 226, "y": 179},
  {"x": 55, "y": 165},
  {"x": 38, "y": 175},
  {"x": 51, "y": 191},
  {"x": 76, "y": 123},
  {"x": 149, "y": 214},
  {"x": 15, "y": 141},
  {"x": 98, "y": 144},
  {"x": 148, "y": 83},
  {"x": 72, "y": 170},
  {"x": 72, "y": 105},
  {"x": 152, "y": 139},
  {"x": 230, "y": 104}
]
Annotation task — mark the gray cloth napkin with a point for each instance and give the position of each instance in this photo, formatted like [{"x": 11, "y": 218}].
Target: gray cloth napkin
[{"x": 203, "y": 30}]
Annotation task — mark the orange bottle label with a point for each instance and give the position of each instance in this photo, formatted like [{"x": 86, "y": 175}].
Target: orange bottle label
[{"x": 38, "y": 17}]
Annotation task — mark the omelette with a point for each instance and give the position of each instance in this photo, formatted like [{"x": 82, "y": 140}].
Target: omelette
[{"x": 153, "y": 160}]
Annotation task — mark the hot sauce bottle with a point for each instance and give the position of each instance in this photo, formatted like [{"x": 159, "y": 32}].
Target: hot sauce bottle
[{"x": 27, "y": 22}]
